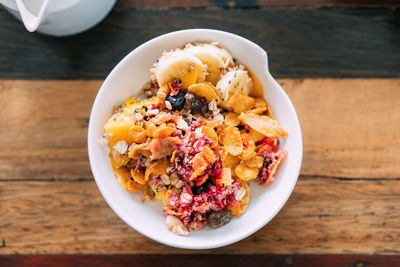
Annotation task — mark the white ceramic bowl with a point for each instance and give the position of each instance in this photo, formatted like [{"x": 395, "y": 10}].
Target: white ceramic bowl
[{"x": 265, "y": 201}]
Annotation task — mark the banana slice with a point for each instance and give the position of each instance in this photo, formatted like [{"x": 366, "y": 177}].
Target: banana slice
[
  {"x": 236, "y": 80},
  {"x": 216, "y": 59},
  {"x": 221, "y": 52},
  {"x": 179, "y": 65}
]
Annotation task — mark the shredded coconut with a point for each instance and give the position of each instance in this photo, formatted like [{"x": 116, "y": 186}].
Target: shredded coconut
[
  {"x": 104, "y": 139},
  {"x": 168, "y": 105},
  {"x": 186, "y": 198},
  {"x": 198, "y": 132},
  {"x": 127, "y": 119},
  {"x": 179, "y": 184},
  {"x": 218, "y": 117},
  {"x": 153, "y": 112},
  {"x": 176, "y": 226},
  {"x": 165, "y": 179},
  {"x": 138, "y": 116},
  {"x": 239, "y": 195},
  {"x": 212, "y": 105},
  {"x": 182, "y": 124},
  {"x": 121, "y": 147}
]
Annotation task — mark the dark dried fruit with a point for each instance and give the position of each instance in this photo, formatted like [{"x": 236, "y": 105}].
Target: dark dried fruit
[
  {"x": 177, "y": 101},
  {"x": 204, "y": 188},
  {"x": 220, "y": 218},
  {"x": 197, "y": 105}
]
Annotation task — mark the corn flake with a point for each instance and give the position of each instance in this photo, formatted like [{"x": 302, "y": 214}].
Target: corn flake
[
  {"x": 159, "y": 167},
  {"x": 163, "y": 131},
  {"x": 138, "y": 134},
  {"x": 118, "y": 160},
  {"x": 240, "y": 103},
  {"x": 226, "y": 177},
  {"x": 208, "y": 154},
  {"x": 162, "y": 147},
  {"x": 255, "y": 136},
  {"x": 255, "y": 162},
  {"x": 199, "y": 165},
  {"x": 232, "y": 140},
  {"x": 259, "y": 111},
  {"x": 249, "y": 150},
  {"x": 139, "y": 150},
  {"x": 232, "y": 119},
  {"x": 147, "y": 173},
  {"x": 245, "y": 173},
  {"x": 150, "y": 128},
  {"x": 241, "y": 206},
  {"x": 204, "y": 90},
  {"x": 260, "y": 102},
  {"x": 230, "y": 162},
  {"x": 221, "y": 137},
  {"x": 214, "y": 124},
  {"x": 138, "y": 176},
  {"x": 162, "y": 195},
  {"x": 263, "y": 124},
  {"x": 209, "y": 132},
  {"x": 147, "y": 193},
  {"x": 223, "y": 153},
  {"x": 124, "y": 178}
]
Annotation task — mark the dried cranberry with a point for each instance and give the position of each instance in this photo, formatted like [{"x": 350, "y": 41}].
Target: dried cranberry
[
  {"x": 215, "y": 169},
  {"x": 177, "y": 101},
  {"x": 220, "y": 218},
  {"x": 177, "y": 84},
  {"x": 264, "y": 171}
]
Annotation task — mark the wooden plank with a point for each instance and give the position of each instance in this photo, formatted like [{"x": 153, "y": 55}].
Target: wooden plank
[
  {"x": 201, "y": 260},
  {"x": 44, "y": 128},
  {"x": 252, "y": 3},
  {"x": 323, "y": 216},
  {"x": 302, "y": 42},
  {"x": 350, "y": 127}
]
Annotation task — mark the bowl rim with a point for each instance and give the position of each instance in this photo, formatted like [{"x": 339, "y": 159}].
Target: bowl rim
[{"x": 245, "y": 231}]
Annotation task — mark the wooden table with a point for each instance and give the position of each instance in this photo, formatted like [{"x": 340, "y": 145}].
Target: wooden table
[{"x": 339, "y": 61}]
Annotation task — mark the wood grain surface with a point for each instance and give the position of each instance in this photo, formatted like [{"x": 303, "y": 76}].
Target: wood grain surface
[
  {"x": 301, "y": 42},
  {"x": 44, "y": 135},
  {"x": 346, "y": 201},
  {"x": 322, "y": 216},
  {"x": 201, "y": 260}
]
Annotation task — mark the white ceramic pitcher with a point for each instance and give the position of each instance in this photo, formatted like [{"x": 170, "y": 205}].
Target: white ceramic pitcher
[{"x": 59, "y": 17}]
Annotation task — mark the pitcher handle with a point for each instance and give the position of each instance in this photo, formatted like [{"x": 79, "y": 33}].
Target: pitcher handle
[{"x": 30, "y": 21}]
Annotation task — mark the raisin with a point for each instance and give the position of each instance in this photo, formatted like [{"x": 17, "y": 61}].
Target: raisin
[
  {"x": 177, "y": 101},
  {"x": 220, "y": 218},
  {"x": 197, "y": 105},
  {"x": 204, "y": 188}
]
